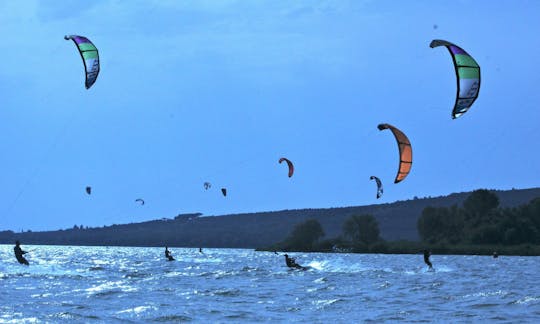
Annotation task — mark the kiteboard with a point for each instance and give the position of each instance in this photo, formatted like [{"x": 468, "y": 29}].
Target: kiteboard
[{"x": 299, "y": 267}]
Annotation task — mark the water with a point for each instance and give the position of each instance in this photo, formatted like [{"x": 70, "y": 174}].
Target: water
[{"x": 101, "y": 284}]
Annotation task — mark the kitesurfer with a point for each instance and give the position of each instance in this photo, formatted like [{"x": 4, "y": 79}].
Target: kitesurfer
[
  {"x": 291, "y": 263},
  {"x": 168, "y": 254},
  {"x": 200, "y": 250},
  {"x": 427, "y": 254},
  {"x": 19, "y": 253},
  {"x": 495, "y": 255}
]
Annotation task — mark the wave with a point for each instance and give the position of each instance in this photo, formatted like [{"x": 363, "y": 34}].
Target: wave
[
  {"x": 109, "y": 288},
  {"x": 226, "y": 292},
  {"x": 172, "y": 318},
  {"x": 70, "y": 316},
  {"x": 527, "y": 300},
  {"x": 137, "y": 274},
  {"x": 137, "y": 309},
  {"x": 324, "y": 303}
]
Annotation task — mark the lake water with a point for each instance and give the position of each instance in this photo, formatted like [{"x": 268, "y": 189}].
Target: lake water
[{"x": 100, "y": 284}]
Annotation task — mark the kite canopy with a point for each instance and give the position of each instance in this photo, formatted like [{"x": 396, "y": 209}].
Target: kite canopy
[
  {"x": 379, "y": 186},
  {"x": 88, "y": 190},
  {"x": 224, "y": 191},
  {"x": 139, "y": 200},
  {"x": 90, "y": 57},
  {"x": 207, "y": 185},
  {"x": 467, "y": 74},
  {"x": 405, "y": 151},
  {"x": 289, "y": 163}
]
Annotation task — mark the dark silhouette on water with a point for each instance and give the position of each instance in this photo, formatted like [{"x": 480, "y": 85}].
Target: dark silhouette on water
[
  {"x": 291, "y": 263},
  {"x": 168, "y": 254},
  {"x": 200, "y": 250},
  {"x": 427, "y": 254},
  {"x": 495, "y": 255},
  {"x": 19, "y": 253}
]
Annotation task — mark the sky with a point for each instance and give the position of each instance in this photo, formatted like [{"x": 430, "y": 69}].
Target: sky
[{"x": 218, "y": 91}]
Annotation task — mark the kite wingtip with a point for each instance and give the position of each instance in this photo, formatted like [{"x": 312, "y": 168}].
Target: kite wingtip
[{"x": 437, "y": 42}]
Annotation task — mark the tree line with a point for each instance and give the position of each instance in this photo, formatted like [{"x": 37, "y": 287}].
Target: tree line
[
  {"x": 481, "y": 221},
  {"x": 359, "y": 234},
  {"x": 478, "y": 226}
]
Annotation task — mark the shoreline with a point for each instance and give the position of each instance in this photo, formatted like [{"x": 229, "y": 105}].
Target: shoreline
[{"x": 419, "y": 247}]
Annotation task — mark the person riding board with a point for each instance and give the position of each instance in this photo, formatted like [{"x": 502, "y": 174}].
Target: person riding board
[
  {"x": 168, "y": 254},
  {"x": 427, "y": 254},
  {"x": 19, "y": 253},
  {"x": 291, "y": 263}
]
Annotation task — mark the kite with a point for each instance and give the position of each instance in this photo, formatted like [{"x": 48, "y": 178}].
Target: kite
[
  {"x": 140, "y": 200},
  {"x": 224, "y": 191},
  {"x": 379, "y": 186},
  {"x": 207, "y": 185},
  {"x": 405, "y": 151},
  {"x": 90, "y": 57},
  {"x": 289, "y": 163},
  {"x": 467, "y": 74},
  {"x": 88, "y": 190}
]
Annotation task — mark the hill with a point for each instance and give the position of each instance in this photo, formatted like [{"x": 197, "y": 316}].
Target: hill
[{"x": 397, "y": 221}]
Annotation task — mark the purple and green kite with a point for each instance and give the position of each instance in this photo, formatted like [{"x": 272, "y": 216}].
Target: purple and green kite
[
  {"x": 90, "y": 57},
  {"x": 468, "y": 77}
]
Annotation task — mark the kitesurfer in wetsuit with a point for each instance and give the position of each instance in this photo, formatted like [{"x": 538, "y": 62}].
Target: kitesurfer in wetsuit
[
  {"x": 427, "y": 254},
  {"x": 495, "y": 255},
  {"x": 291, "y": 263},
  {"x": 19, "y": 253},
  {"x": 168, "y": 254},
  {"x": 200, "y": 250}
]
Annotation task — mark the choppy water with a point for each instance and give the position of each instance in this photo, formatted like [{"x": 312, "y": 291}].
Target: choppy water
[{"x": 228, "y": 285}]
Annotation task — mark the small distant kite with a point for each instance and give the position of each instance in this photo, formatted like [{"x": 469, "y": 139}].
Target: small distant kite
[
  {"x": 379, "y": 186},
  {"x": 289, "y": 163},
  {"x": 139, "y": 200},
  {"x": 467, "y": 74},
  {"x": 405, "y": 151},
  {"x": 207, "y": 185},
  {"x": 224, "y": 191},
  {"x": 89, "y": 190},
  {"x": 90, "y": 57}
]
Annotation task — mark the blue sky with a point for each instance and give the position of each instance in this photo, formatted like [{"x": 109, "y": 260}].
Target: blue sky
[{"x": 218, "y": 91}]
